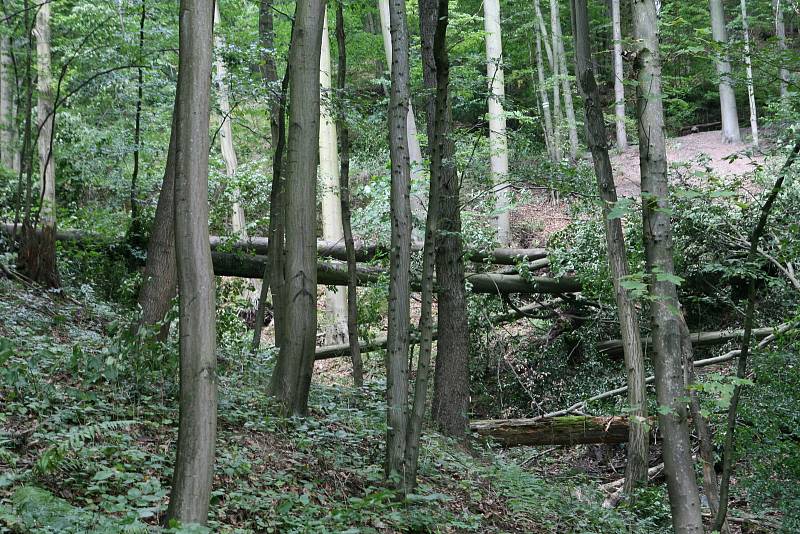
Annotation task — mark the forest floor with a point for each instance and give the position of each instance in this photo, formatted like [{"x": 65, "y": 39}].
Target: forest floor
[
  {"x": 88, "y": 429},
  {"x": 703, "y": 151}
]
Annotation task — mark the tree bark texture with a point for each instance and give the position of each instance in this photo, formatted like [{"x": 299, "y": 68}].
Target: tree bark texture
[
  {"x": 498, "y": 142},
  {"x": 780, "y": 33},
  {"x": 400, "y": 257},
  {"x": 664, "y": 305},
  {"x": 8, "y": 139},
  {"x": 332, "y": 230},
  {"x": 619, "y": 76},
  {"x": 751, "y": 95},
  {"x": 563, "y": 77},
  {"x": 638, "y": 456},
  {"x": 293, "y": 370},
  {"x": 564, "y": 430},
  {"x": 727, "y": 98},
  {"x": 344, "y": 187},
  {"x": 197, "y": 427}
]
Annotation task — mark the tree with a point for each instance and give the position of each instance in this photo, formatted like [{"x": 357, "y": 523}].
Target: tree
[
  {"x": 292, "y": 374},
  {"x": 400, "y": 251},
  {"x": 619, "y": 77},
  {"x": 780, "y": 33},
  {"x": 37, "y": 256},
  {"x": 344, "y": 188},
  {"x": 727, "y": 98},
  {"x": 748, "y": 63},
  {"x": 238, "y": 220},
  {"x": 332, "y": 229},
  {"x": 9, "y": 154},
  {"x": 562, "y": 75},
  {"x": 636, "y": 467},
  {"x": 664, "y": 304},
  {"x": 498, "y": 143},
  {"x": 135, "y": 230},
  {"x": 197, "y": 427}
]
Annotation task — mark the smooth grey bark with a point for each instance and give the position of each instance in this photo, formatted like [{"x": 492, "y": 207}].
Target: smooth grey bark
[
  {"x": 400, "y": 256},
  {"x": 432, "y": 37},
  {"x": 292, "y": 374},
  {"x": 344, "y": 187},
  {"x": 780, "y": 33},
  {"x": 498, "y": 140},
  {"x": 638, "y": 457},
  {"x": 197, "y": 427},
  {"x": 160, "y": 278},
  {"x": 9, "y": 153},
  {"x": 727, "y": 97},
  {"x": 619, "y": 76},
  {"x": 562, "y": 75},
  {"x": 749, "y": 318},
  {"x": 664, "y": 304},
  {"x": 544, "y": 100}
]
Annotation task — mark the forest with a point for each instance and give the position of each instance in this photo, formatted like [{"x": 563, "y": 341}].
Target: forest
[{"x": 378, "y": 266}]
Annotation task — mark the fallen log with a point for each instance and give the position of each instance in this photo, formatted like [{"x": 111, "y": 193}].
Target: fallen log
[
  {"x": 329, "y": 273},
  {"x": 566, "y": 430},
  {"x": 368, "y": 251},
  {"x": 699, "y": 339}
]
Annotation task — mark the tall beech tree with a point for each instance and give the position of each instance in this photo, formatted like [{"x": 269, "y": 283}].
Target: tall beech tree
[
  {"x": 619, "y": 76},
  {"x": 197, "y": 427},
  {"x": 399, "y": 318},
  {"x": 727, "y": 97},
  {"x": 638, "y": 457},
  {"x": 664, "y": 304},
  {"x": 291, "y": 379}
]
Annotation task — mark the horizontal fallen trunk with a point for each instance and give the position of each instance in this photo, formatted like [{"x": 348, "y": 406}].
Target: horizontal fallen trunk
[
  {"x": 567, "y": 430},
  {"x": 369, "y": 251},
  {"x": 252, "y": 266},
  {"x": 699, "y": 339}
]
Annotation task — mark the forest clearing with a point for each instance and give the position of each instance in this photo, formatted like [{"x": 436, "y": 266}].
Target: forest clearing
[{"x": 297, "y": 266}]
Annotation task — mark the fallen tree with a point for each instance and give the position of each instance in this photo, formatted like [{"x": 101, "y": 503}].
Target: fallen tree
[
  {"x": 565, "y": 430},
  {"x": 329, "y": 273},
  {"x": 699, "y": 339}
]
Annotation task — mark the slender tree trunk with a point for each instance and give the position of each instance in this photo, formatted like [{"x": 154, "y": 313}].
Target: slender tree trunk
[
  {"x": 414, "y": 150},
  {"x": 332, "y": 229},
  {"x": 238, "y": 220},
  {"x": 563, "y": 74},
  {"x": 664, "y": 305},
  {"x": 544, "y": 99},
  {"x": 780, "y": 33},
  {"x": 638, "y": 457},
  {"x": 37, "y": 256},
  {"x": 136, "y": 231},
  {"x": 749, "y": 318},
  {"x": 273, "y": 271},
  {"x": 619, "y": 77},
  {"x": 750, "y": 87},
  {"x": 8, "y": 141},
  {"x": 344, "y": 187},
  {"x": 197, "y": 428},
  {"x": 433, "y": 27},
  {"x": 26, "y": 157},
  {"x": 292, "y": 373},
  {"x": 498, "y": 142},
  {"x": 727, "y": 97},
  {"x": 400, "y": 256},
  {"x": 556, "y": 110}
]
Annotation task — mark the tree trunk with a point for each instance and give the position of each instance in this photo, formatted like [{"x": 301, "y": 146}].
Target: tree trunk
[
  {"x": 563, "y": 76},
  {"x": 498, "y": 142},
  {"x": 159, "y": 285},
  {"x": 638, "y": 457},
  {"x": 565, "y": 430},
  {"x": 292, "y": 373},
  {"x": 197, "y": 428},
  {"x": 414, "y": 150},
  {"x": 619, "y": 77},
  {"x": 400, "y": 258},
  {"x": 238, "y": 220},
  {"x": 344, "y": 187},
  {"x": 727, "y": 97},
  {"x": 750, "y": 87},
  {"x": 670, "y": 390},
  {"x": 332, "y": 229},
  {"x": 780, "y": 33},
  {"x": 37, "y": 256},
  {"x": 8, "y": 140},
  {"x": 544, "y": 99},
  {"x": 135, "y": 230},
  {"x": 432, "y": 37}
]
